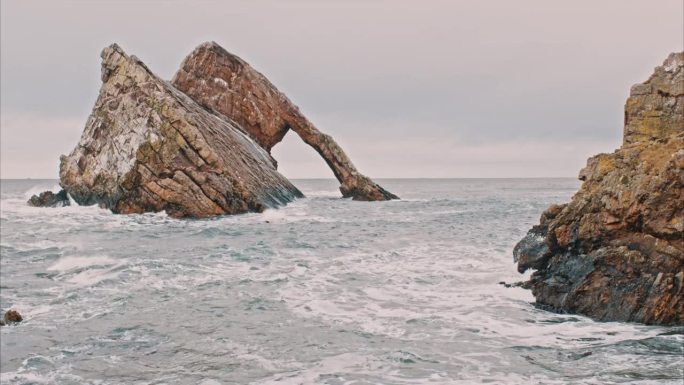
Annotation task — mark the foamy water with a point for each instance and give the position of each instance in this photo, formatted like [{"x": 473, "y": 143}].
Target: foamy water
[{"x": 322, "y": 291}]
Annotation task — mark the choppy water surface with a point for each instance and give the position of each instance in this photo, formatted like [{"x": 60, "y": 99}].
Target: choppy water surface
[{"x": 323, "y": 291}]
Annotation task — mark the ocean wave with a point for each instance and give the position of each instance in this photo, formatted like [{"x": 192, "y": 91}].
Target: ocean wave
[{"x": 323, "y": 290}]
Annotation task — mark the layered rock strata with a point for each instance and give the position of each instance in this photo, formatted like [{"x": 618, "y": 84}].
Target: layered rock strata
[
  {"x": 149, "y": 147},
  {"x": 615, "y": 252},
  {"x": 227, "y": 85}
]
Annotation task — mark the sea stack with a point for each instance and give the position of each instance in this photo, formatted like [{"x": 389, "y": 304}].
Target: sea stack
[
  {"x": 149, "y": 147},
  {"x": 197, "y": 147},
  {"x": 228, "y": 86},
  {"x": 615, "y": 252}
]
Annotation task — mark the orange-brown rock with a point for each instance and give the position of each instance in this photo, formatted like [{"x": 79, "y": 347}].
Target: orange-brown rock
[
  {"x": 11, "y": 317},
  {"x": 227, "y": 85},
  {"x": 615, "y": 252},
  {"x": 149, "y": 147}
]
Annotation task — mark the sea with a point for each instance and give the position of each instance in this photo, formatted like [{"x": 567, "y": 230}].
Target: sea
[{"x": 322, "y": 291}]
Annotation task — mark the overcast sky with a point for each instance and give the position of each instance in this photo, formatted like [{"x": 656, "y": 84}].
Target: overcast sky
[{"x": 474, "y": 88}]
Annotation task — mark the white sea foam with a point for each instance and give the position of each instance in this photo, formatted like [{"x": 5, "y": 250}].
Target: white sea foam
[
  {"x": 322, "y": 193},
  {"x": 37, "y": 190},
  {"x": 75, "y": 262},
  {"x": 329, "y": 291},
  {"x": 91, "y": 277},
  {"x": 329, "y": 365},
  {"x": 25, "y": 378},
  {"x": 209, "y": 382},
  {"x": 273, "y": 215}
]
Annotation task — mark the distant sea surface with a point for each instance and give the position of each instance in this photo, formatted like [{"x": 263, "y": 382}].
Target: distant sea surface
[{"x": 322, "y": 291}]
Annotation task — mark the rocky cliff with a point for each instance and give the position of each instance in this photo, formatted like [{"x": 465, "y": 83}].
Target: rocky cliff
[
  {"x": 149, "y": 147},
  {"x": 227, "y": 85},
  {"x": 616, "y": 250}
]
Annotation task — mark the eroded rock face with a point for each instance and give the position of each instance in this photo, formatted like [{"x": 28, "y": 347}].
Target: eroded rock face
[
  {"x": 227, "y": 85},
  {"x": 149, "y": 147},
  {"x": 654, "y": 109},
  {"x": 615, "y": 252}
]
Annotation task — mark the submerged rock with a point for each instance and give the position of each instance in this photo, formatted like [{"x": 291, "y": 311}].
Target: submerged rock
[
  {"x": 50, "y": 199},
  {"x": 615, "y": 252},
  {"x": 149, "y": 147},
  {"x": 227, "y": 85},
  {"x": 11, "y": 316}
]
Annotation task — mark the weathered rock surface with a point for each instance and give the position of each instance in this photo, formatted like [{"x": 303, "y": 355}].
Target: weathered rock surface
[
  {"x": 227, "y": 85},
  {"x": 50, "y": 199},
  {"x": 149, "y": 147},
  {"x": 616, "y": 250}
]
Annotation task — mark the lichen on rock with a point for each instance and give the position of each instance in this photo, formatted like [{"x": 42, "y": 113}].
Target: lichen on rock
[
  {"x": 615, "y": 252},
  {"x": 654, "y": 109}
]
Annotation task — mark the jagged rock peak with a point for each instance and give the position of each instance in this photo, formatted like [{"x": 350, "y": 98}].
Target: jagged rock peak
[
  {"x": 149, "y": 147},
  {"x": 615, "y": 252},
  {"x": 112, "y": 57},
  {"x": 654, "y": 109},
  {"x": 227, "y": 85}
]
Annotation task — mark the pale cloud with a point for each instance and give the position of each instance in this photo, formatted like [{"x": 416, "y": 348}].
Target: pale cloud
[{"x": 433, "y": 78}]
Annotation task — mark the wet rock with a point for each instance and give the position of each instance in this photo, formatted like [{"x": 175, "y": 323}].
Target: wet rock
[
  {"x": 149, "y": 147},
  {"x": 532, "y": 252},
  {"x": 227, "y": 85},
  {"x": 11, "y": 316},
  {"x": 615, "y": 252},
  {"x": 50, "y": 199},
  {"x": 523, "y": 284}
]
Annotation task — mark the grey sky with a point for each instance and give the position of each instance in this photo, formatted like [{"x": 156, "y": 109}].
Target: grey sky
[{"x": 408, "y": 88}]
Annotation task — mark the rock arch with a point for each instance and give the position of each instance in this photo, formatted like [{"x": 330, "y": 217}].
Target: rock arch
[{"x": 229, "y": 86}]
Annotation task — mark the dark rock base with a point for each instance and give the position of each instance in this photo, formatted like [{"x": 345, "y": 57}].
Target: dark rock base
[{"x": 50, "y": 199}]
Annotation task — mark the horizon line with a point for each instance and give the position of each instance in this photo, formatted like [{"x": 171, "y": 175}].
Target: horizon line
[{"x": 380, "y": 178}]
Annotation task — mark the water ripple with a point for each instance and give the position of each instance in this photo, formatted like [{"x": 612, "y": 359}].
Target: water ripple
[{"x": 322, "y": 291}]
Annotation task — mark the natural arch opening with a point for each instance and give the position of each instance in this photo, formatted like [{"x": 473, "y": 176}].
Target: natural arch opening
[
  {"x": 298, "y": 160},
  {"x": 303, "y": 166}
]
